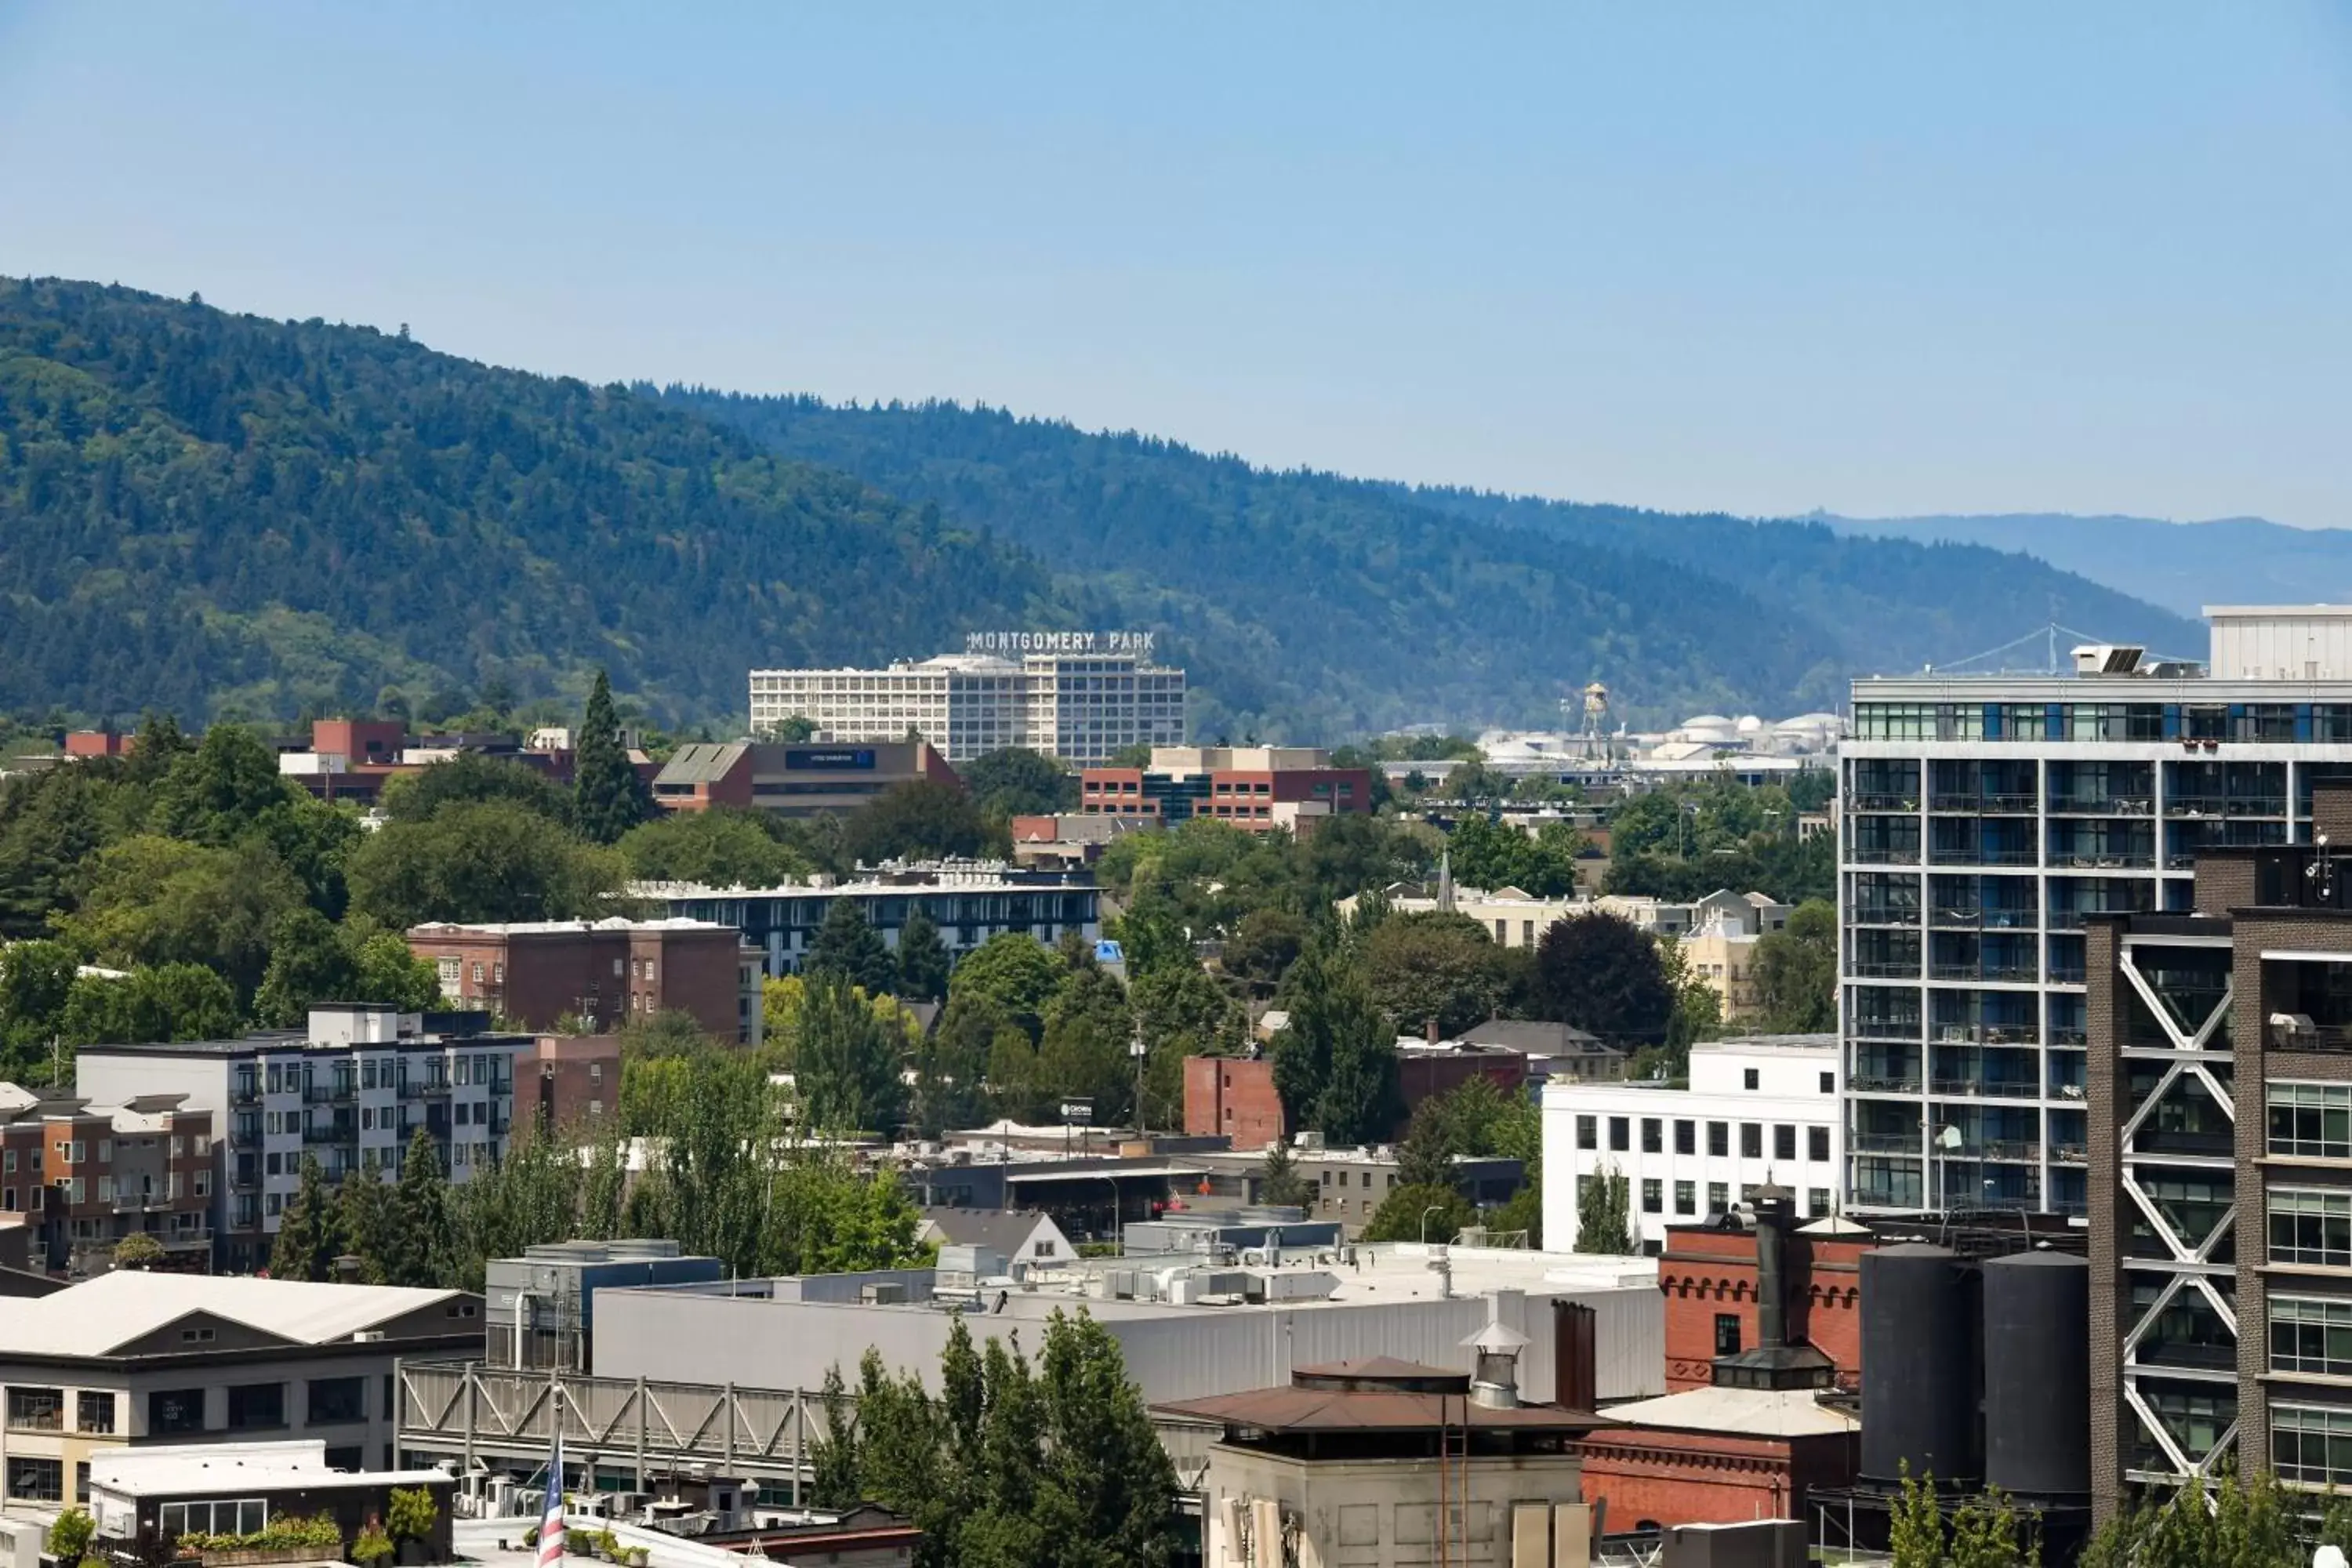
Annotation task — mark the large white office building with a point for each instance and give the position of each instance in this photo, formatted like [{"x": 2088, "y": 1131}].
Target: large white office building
[
  {"x": 1984, "y": 818},
  {"x": 1079, "y": 696},
  {"x": 1764, "y": 1108}
]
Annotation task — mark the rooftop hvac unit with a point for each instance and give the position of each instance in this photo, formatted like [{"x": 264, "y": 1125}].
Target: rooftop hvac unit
[
  {"x": 1297, "y": 1284},
  {"x": 883, "y": 1293}
]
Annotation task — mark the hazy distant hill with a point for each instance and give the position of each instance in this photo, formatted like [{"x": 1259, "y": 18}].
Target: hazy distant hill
[
  {"x": 1443, "y": 603},
  {"x": 2183, "y": 567}
]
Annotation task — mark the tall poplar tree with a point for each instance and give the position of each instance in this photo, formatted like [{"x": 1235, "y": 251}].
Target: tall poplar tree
[
  {"x": 309, "y": 1235},
  {"x": 608, "y": 797}
]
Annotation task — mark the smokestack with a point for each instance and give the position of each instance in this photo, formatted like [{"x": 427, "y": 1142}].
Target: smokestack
[
  {"x": 1575, "y": 1372},
  {"x": 1774, "y": 1208}
]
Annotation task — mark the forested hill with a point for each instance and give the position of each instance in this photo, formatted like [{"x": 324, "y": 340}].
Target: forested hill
[
  {"x": 201, "y": 511},
  {"x": 1348, "y": 603}
]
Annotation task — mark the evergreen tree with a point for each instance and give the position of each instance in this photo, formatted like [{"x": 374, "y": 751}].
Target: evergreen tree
[
  {"x": 1419, "y": 1213},
  {"x": 922, "y": 959},
  {"x": 608, "y": 796},
  {"x": 420, "y": 1253},
  {"x": 847, "y": 1065},
  {"x": 1278, "y": 1179},
  {"x": 365, "y": 1212},
  {"x": 850, "y": 948},
  {"x": 308, "y": 1237}
]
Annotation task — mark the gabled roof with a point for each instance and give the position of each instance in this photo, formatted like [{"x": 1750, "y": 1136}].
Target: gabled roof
[
  {"x": 99, "y": 1317},
  {"x": 702, "y": 762},
  {"x": 1005, "y": 1230},
  {"x": 1534, "y": 1037}
]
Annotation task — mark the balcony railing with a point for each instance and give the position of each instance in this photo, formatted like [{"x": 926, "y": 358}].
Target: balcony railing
[
  {"x": 2313, "y": 1037},
  {"x": 1884, "y": 969},
  {"x": 1883, "y": 1142},
  {"x": 1999, "y": 974},
  {"x": 2071, "y": 1153},
  {"x": 2102, "y": 806},
  {"x": 1884, "y": 1082},
  {"x": 1984, "y": 855},
  {"x": 1905, "y": 1030},
  {"x": 1883, "y": 915},
  {"x": 2104, "y": 859},
  {"x": 1987, "y": 1033},
  {"x": 331, "y": 1132},
  {"x": 2225, "y": 805},
  {"x": 329, "y": 1093},
  {"x": 245, "y": 1094},
  {"x": 2013, "y": 1150},
  {"x": 1883, "y": 854},
  {"x": 1882, "y": 801},
  {"x": 1987, "y": 1088},
  {"x": 1984, "y": 804},
  {"x": 2074, "y": 1035}
]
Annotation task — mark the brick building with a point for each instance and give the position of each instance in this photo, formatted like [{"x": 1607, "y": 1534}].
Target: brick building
[
  {"x": 353, "y": 759},
  {"x": 2219, "y": 1170},
  {"x": 1233, "y": 1096},
  {"x": 568, "y": 1081},
  {"x": 1753, "y": 1438},
  {"x": 1707, "y": 1275},
  {"x": 604, "y": 973},
  {"x": 794, "y": 780},
  {"x": 1259, "y": 788},
  {"x": 87, "y": 1177}
]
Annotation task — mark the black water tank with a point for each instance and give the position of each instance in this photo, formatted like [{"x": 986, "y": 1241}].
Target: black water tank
[
  {"x": 1919, "y": 1366},
  {"x": 2037, "y": 1375}
]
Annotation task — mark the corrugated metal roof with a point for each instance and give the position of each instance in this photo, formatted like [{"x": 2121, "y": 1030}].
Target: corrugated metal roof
[
  {"x": 1750, "y": 1412},
  {"x": 701, "y": 763},
  {"x": 97, "y": 1316}
]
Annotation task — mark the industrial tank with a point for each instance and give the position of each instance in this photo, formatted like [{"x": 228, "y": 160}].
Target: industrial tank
[
  {"x": 1919, "y": 1366},
  {"x": 2037, "y": 1375}
]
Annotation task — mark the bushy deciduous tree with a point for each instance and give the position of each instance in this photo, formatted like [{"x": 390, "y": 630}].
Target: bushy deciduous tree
[
  {"x": 720, "y": 848},
  {"x": 1015, "y": 972},
  {"x": 1796, "y": 971},
  {"x": 1604, "y": 1214},
  {"x": 1603, "y": 973}
]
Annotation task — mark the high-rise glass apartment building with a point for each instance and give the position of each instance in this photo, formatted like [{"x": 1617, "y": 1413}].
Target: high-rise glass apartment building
[{"x": 1983, "y": 818}]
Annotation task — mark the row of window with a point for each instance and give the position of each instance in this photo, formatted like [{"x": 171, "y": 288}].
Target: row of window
[
  {"x": 2258, "y": 721},
  {"x": 1718, "y": 1138},
  {"x": 1720, "y": 1196}
]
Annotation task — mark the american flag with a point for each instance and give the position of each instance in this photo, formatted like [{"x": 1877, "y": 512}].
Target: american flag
[{"x": 550, "y": 1518}]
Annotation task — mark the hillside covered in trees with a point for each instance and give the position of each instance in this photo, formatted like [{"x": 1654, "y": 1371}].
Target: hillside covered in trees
[
  {"x": 1412, "y": 604},
  {"x": 223, "y": 515},
  {"x": 203, "y": 512}
]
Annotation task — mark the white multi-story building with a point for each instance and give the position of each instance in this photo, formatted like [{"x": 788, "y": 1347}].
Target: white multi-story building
[
  {"x": 1079, "y": 696},
  {"x": 1759, "y": 1109},
  {"x": 1983, "y": 818},
  {"x": 350, "y": 1091}
]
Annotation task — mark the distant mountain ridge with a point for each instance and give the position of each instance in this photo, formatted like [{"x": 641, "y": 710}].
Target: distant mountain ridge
[
  {"x": 216, "y": 513},
  {"x": 2182, "y": 566}
]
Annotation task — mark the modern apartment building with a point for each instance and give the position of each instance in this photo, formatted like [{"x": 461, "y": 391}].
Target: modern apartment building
[
  {"x": 1260, "y": 788},
  {"x": 88, "y": 1176},
  {"x": 602, "y": 972},
  {"x": 1078, "y": 696},
  {"x": 1985, "y": 819},
  {"x": 2219, "y": 1173},
  {"x": 352, "y": 1090},
  {"x": 970, "y": 901},
  {"x": 1760, "y": 1110}
]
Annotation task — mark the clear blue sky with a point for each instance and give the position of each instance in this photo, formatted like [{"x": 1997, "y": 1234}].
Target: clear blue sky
[{"x": 1877, "y": 258}]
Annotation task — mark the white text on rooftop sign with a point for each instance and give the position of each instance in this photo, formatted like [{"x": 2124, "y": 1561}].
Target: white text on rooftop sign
[{"x": 1058, "y": 642}]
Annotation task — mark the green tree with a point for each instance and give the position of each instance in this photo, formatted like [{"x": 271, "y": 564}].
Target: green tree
[
  {"x": 1015, "y": 781},
  {"x": 309, "y": 962},
  {"x": 1265, "y": 946},
  {"x": 1280, "y": 1181},
  {"x": 1339, "y": 1024},
  {"x": 1434, "y": 968},
  {"x": 1014, "y": 972},
  {"x": 488, "y": 861},
  {"x": 69, "y": 1536},
  {"x": 138, "y": 1250},
  {"x": 153, "y": 901},
  {"x": 473, "y": 778},
  {"x": 308, "y": 1239},
  {"x": 385, "y": 971},
  {"x": 951, "y": 1065},
  {"x": 365, "y": 1218},
  {"x": 1604, "y": 974},
  {"x": 609, "y": 797},
  {"x": 922, "y": 819},
  {"x": 721, "y": 847},
  {"x": 216, "y": 792},
  {"x": 922, "y": 959},
  {"x": 421, "y": 1253},
  {"x": 1604, "y": 1214},
  {"x": 165, "y": 1001},
  {"x": 1796, "y": 971},
  {"x": 1083, "y": 1050},
  {"x": 1412, "y": 1212},
  {"x": 849, "y": 948},
  {"x": 36, "y": 980},
  {"x": 847, "y": 1065}
]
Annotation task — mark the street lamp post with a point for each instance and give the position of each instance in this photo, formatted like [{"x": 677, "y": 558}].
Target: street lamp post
[
  {"x": 1434, "y": 1208},
  {"x": 1105, "y": 1176}
]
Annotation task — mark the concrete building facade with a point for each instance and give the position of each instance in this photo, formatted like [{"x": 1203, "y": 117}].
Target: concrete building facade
[
  {"x": 1761, "y": 1109},
  {"x": 805, "y": 780},
  {"x": 603, "y": 973},
  {"x": 1984, "y": 820},
  {"x": 352, "y": 1091},
  {"x": 1078, "y": 701},
  {"x": 86, "y": 1177}
]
